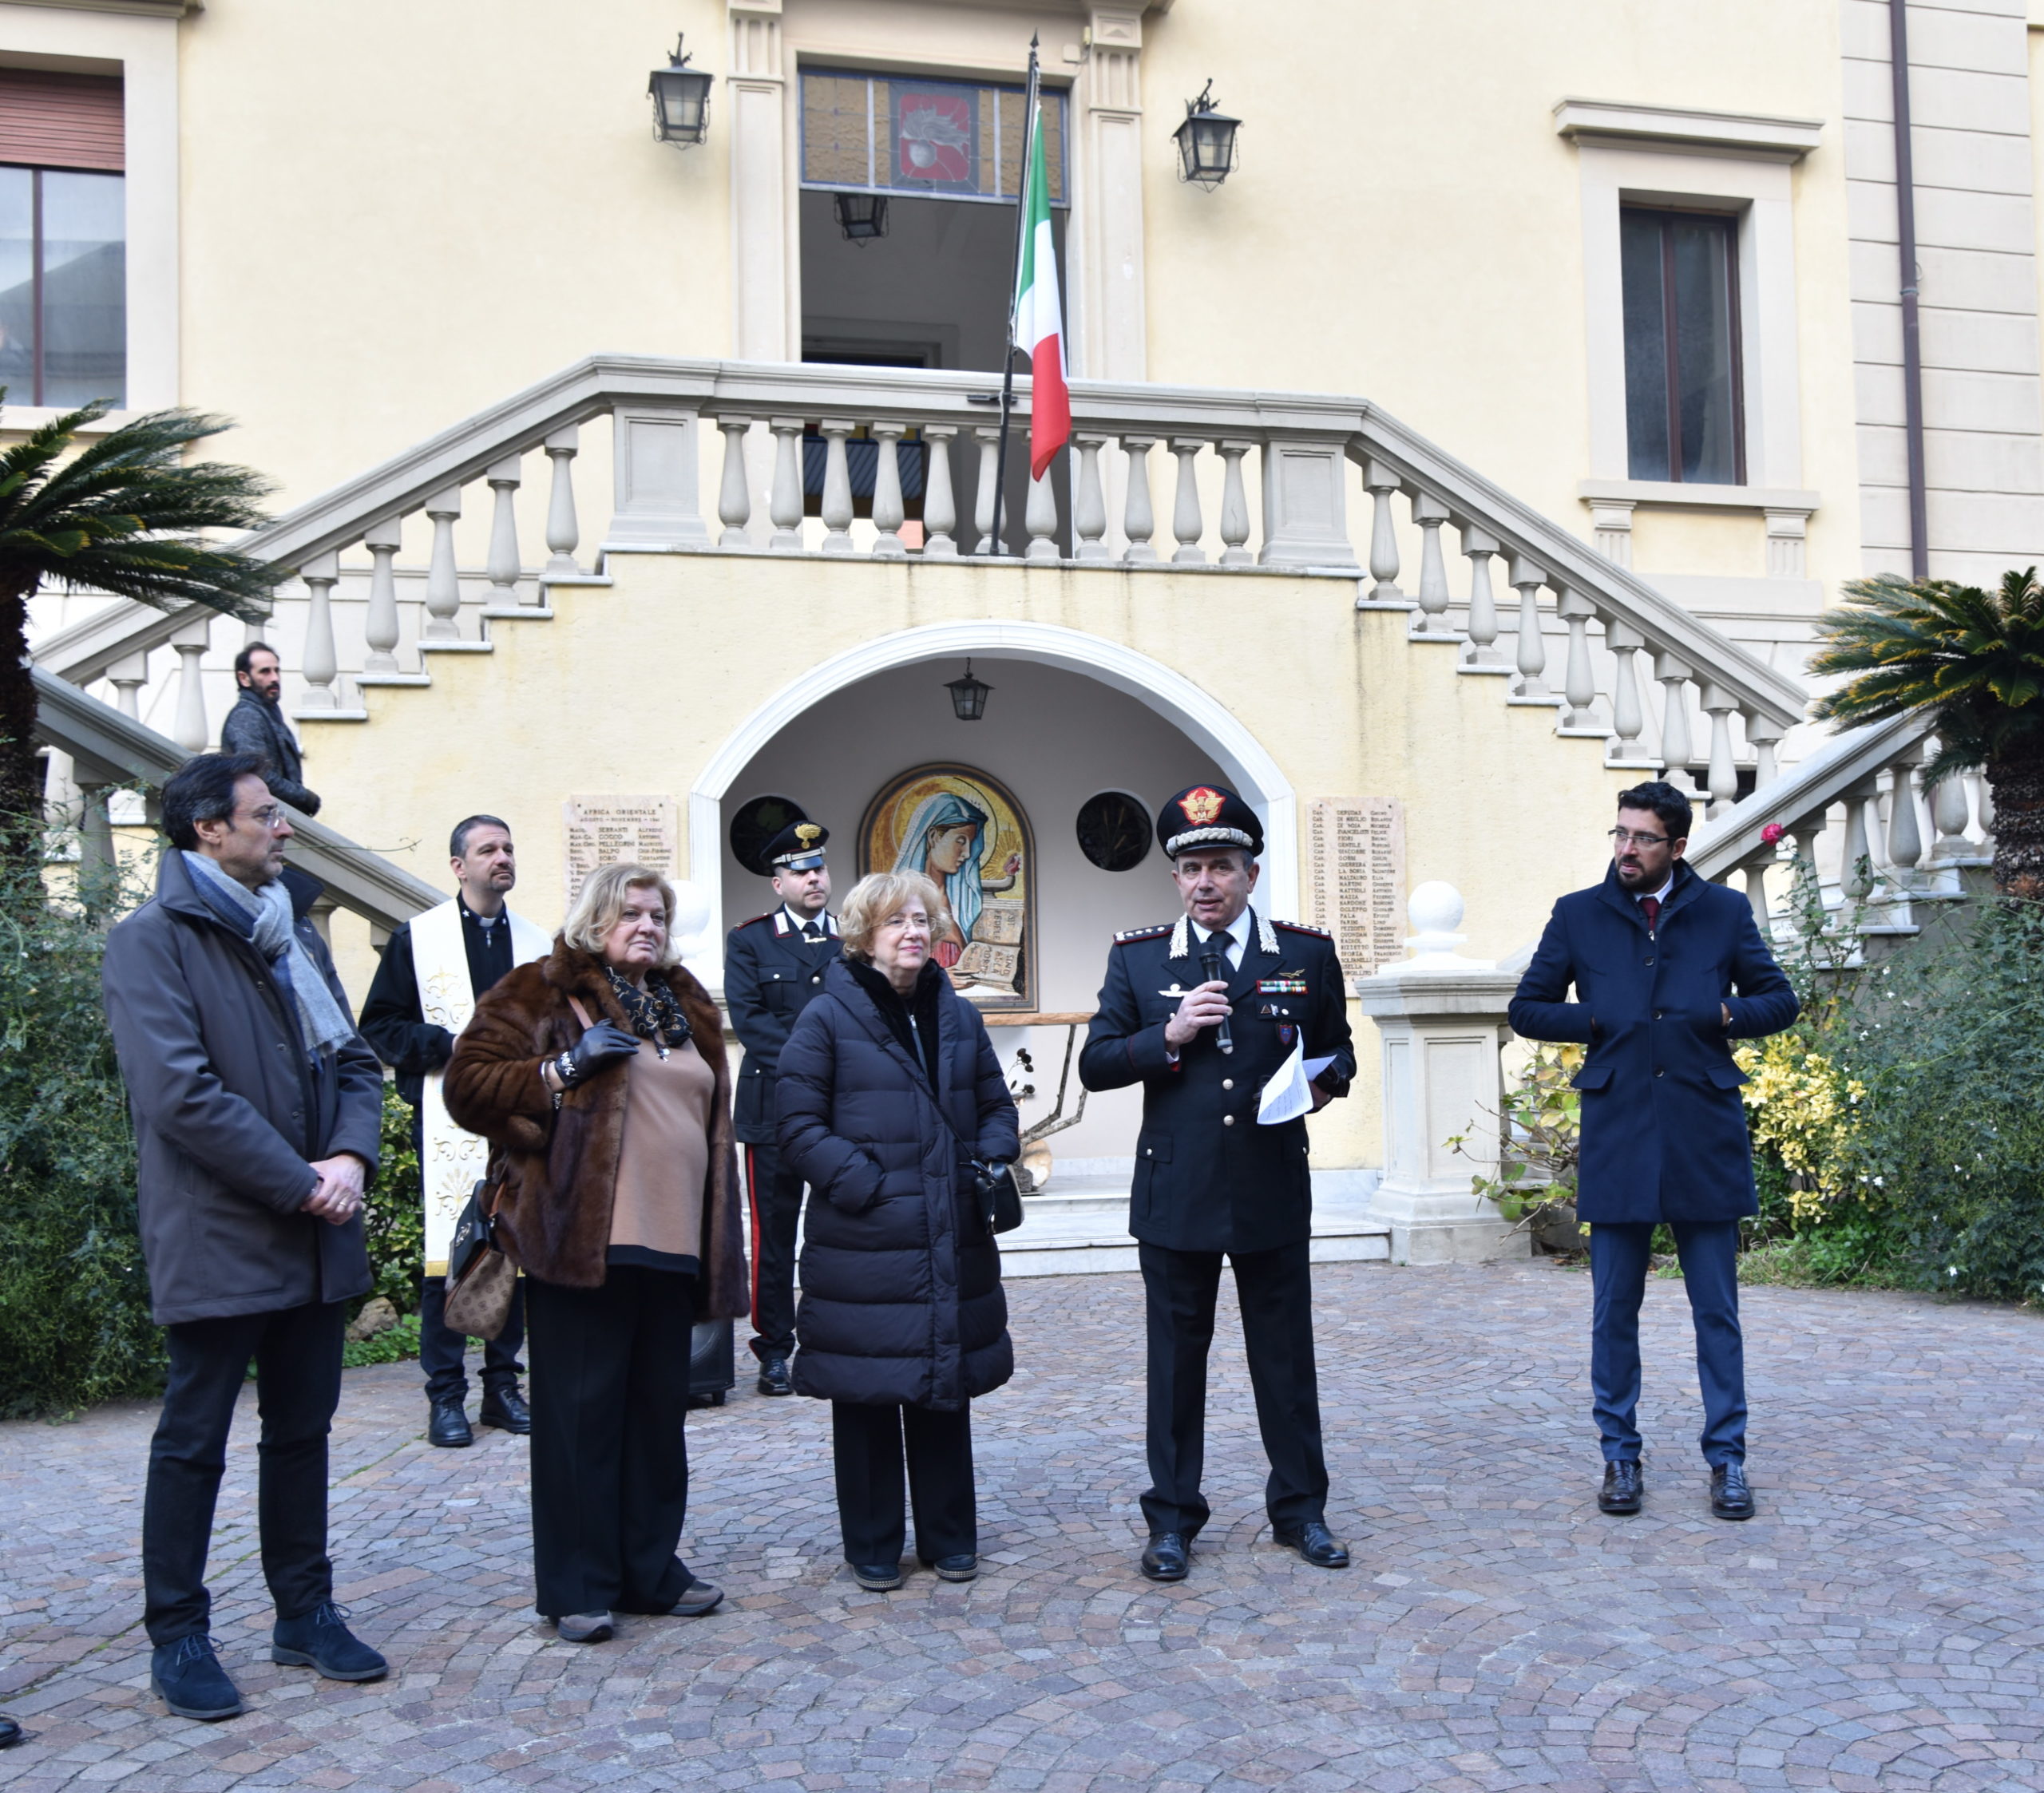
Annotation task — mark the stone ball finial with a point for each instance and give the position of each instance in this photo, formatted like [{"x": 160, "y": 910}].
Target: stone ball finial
[
  {"x": 1435, "y": 908},
  {"x": 691, "y": 917}
]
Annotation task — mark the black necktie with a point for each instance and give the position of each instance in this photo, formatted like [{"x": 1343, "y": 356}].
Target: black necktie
[
  {"x": 1218, "y": 943},
  {"x": 811, "y": 931}
]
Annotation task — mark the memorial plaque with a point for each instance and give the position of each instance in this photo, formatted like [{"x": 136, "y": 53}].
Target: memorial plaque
[
  {"x": 604, "y": 830},
  {"x": 1355, "y": 884}
]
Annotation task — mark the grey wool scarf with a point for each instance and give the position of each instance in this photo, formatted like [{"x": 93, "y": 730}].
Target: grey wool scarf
[{"x": 264, "y": 918}]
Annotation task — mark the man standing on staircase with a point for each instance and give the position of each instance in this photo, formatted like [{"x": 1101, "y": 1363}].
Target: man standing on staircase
[
  {"x": 1237, "y": 1027},
  {"x": 255, "y": 725},
  {"x": 435, "y": 966},
  {"x": 774, "y": 965},
  {"x": 1668, "y": 970}
]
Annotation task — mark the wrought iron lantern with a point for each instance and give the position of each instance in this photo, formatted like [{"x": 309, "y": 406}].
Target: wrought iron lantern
[
  {"x": 861, "y": 216},
  {"x": 1207, "y": 154},
  {"x": 681, "y": 101},
  {"x": 968, "y": 696}
]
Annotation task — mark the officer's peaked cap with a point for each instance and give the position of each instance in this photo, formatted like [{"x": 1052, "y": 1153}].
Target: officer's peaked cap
[{"x": 1208, "y": 815}]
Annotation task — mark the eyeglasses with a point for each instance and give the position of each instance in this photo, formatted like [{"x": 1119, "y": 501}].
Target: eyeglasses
[
  {"x": 1625, "y": 837},
  {"x": 269, "y": 817}
]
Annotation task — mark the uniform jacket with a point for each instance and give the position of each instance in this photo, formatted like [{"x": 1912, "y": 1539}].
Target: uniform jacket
[
  {"x": 229, "y": 1113},
  {"x": 253, "y": 726},
  {"x": 901, "y": 1280},
  {"x": 1207, "y": 1177},
  {"x": 771, "y": 974},
  {"x": 1664, "y": 1128},
  {"x": 559, "y": 1169}
]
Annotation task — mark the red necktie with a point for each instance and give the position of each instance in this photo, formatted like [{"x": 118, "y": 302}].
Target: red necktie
[{"x": 1652, "y": 906}]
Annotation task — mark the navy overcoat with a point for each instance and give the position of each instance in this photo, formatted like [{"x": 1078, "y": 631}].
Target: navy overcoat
[{"x": 1664, "y": 1130}]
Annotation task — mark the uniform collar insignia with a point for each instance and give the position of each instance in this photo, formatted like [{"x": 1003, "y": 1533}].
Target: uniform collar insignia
[{"x": 1266, "y": 936}]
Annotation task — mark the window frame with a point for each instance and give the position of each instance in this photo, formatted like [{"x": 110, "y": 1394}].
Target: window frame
[
  {"x": 37, "y": 279},
  {"x": 1665, "y": 216}
]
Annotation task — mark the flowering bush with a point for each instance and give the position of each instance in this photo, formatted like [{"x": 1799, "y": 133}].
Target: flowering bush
[{"x": 1802, "y": 1107}]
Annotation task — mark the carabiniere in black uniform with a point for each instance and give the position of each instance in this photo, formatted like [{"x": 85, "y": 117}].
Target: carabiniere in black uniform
[
  {"x": 1210, "y": 1182},
  {"x": 773, "y": 967}
]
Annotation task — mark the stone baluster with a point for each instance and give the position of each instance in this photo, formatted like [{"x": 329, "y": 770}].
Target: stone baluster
[
  {"x": 1234, "y": 506},
  {"x": 443, "y": 582},
  {"x": 1380, "y": 481},
  {"x": 97, "y": 857},
  {"x": 380, "y": 630},
  {"x": 887, "y": 508},
  {"x": 990, "y": 441},
  {"x": 1674, "y": 675},
  {"x": 563, "y": 532},
  {"x": 1722, "y": 781},
  {"x": 1983, "y": 805},
  {"x": 735, "y": 494},
  {"x": 1765, "y": 734},
  {"x": 504, "y": 566},
  {"x": 255, "y": 628},
  {"x": 1429, "y": 512},
  {"x": 1040, "y": 517},
  {"x": 836, "y": 486},
  {"x": 1756, "y": 873},
  {"x": 321, "y": 574},
  {"x": 1527, "y": 579},
  {"x": 1579, "y": 683},
  {"x": 1628, "y": 716},
  {"x": 1089, "y": 501},
  {"x": 940, "y": 507},
  {"x": 1805, "y": 832},
  {"x": 784, "y": 503},
  {"x": 1481, "y": 547},
  {"x": 1950, "y": 812},
  {"x": 1856, "y": 872},
  {"x": 191, "y": 640},
  {"x": 1186, "y": 523},
  {"x": 129, "y": 674},
  {"x": 1905, "y": 830},
  {"x": 1138, "y": 521}
]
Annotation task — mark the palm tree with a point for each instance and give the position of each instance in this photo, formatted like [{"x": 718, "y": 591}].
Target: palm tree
[
  {"x": 121, "y": 516},
  {"x": 1974, "y": 660}
]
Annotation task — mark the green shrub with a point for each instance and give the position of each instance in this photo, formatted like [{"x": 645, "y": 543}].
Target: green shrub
[
  {"x": 395, "y": 1345},
  {"x": 394, "y": 1216}
]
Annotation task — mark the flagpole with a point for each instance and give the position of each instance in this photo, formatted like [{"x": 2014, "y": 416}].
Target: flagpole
[{"x": 1014, "y": 273}]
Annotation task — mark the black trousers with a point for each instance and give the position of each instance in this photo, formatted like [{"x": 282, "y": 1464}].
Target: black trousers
[
  {"x": 774, "y": 1192},
  {"x": 441, "y": 1350},
  {"x": 610, "y": 1462},
  {"x": 1274, "y": 1289},
  {"x": 298, "y": 1385},
  {"x": 867, "y": 1445}
]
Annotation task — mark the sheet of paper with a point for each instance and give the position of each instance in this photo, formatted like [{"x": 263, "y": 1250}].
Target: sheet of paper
[{"x": 1287, "y": 1096}]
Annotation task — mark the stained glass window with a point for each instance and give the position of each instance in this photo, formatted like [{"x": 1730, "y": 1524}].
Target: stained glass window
[{"x": 950, "y": 140}]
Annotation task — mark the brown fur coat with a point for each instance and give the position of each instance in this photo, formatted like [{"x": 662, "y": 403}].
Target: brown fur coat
[{"x": 559, "y": 1169}]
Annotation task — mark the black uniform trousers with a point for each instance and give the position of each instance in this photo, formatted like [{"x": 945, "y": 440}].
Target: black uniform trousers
[
  {"x": 442, "y": 1351},
  {"x": 1274, "y": 1291},
  {"x": 609, "y": 1460},
  {"x": 298, "y": 1385},
  {"x": 868, "y": 1443},
  {"x": 774, "y": 1192}
]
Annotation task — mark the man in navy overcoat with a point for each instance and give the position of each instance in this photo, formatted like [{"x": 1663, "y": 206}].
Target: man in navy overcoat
[{"x": 1668, "y": 971}]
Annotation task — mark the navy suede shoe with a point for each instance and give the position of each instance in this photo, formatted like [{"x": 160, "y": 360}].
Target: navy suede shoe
[
  {"x": 321, "y": 1640},
  {"x": 187, "y": 1677}
]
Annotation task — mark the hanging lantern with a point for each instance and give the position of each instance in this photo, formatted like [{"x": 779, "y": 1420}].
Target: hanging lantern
[
  {"x": 681, "y": 101},
  {"x": 861, "y": 216},
  {"x": 968, "y": 696},
  {"x": 1207, "y": 154}
]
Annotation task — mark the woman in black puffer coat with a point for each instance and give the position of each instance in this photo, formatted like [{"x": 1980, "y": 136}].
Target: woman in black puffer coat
[{"x": 901, "y": 1320}]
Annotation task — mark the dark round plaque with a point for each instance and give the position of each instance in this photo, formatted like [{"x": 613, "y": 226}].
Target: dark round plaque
[{"x": 1114, "y": 831}]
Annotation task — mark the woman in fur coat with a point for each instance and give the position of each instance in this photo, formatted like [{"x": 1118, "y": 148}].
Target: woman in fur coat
[{"x": 598, "y": 1074}]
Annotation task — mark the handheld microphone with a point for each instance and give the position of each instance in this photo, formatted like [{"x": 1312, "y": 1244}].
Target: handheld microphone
[{"x": 1210, "y": 964}]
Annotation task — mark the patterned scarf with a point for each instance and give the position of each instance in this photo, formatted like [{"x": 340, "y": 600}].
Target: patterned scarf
[{"x": 652, "y": 1013}]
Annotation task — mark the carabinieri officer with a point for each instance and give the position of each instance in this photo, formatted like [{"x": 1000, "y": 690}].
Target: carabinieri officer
[
  {"x": 1205, "y": 1014},
  {"x": 773, "y": 965}
]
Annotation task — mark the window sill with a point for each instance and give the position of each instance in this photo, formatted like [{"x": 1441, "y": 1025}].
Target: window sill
[
  {"x": 19, "y": 420},
  {"x": 1678, "y": 495}
]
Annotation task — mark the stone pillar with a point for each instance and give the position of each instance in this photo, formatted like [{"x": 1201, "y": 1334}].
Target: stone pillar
[
  {"x": 1306, "y": 516},
  {"x": 659, "y": 499},
  {"x": 1110, "y": 333},
  {"x": 765, "y": 301},
  {"x": 1441, "y": 1026}
]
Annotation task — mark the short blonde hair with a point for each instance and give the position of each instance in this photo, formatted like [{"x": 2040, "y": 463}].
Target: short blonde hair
[
  {"x": 875, "y": 897},
  {"x": 602, "y": 902}
]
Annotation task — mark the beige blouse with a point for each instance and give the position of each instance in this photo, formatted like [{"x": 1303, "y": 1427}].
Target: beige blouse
[{"x": 656, "y": 1211}]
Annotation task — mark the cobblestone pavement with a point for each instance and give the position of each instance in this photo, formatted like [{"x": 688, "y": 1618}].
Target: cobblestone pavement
[{"x": 1876, "y": 1626}]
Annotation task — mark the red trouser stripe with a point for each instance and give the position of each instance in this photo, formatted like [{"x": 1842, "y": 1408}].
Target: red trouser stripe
[{"x": 752, "y": 1201}]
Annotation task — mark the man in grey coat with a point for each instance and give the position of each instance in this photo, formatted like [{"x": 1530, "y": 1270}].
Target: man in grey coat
[
  {"x": 257, "y": 1109},
  {"x": 255, "y": 725}
]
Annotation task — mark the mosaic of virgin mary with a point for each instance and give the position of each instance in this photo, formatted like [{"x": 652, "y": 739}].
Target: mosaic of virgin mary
[{"x": 964, "y": 832}]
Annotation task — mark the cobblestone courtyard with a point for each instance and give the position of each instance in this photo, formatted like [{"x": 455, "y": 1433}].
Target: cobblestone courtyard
[{"x": 1876, "y": 1626}]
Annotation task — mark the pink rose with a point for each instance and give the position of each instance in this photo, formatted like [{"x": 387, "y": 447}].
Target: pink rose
[{"x": 1772, "y": 832}]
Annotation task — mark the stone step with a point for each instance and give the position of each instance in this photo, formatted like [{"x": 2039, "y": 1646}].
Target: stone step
[{"x": 1082, "y": 1228}]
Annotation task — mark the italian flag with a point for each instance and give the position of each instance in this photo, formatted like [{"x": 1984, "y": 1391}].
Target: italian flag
[{"x": 1039, "y": 320}]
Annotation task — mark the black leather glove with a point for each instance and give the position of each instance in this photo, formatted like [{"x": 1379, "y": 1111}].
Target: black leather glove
[{"x": 604, "y": 1044}]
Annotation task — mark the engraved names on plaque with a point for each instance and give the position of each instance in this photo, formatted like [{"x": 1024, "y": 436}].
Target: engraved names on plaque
[
  {"x": 604, "y": 830},
  {"x": 1355, "y": 883}
]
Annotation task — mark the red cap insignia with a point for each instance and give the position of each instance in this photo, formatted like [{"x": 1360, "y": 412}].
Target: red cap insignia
[{"x": 1201, "y": 806}]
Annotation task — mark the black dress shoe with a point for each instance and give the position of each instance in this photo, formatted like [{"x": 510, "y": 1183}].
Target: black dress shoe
[
  {"x": 10, "y": 1731},
  {"x": 1625, "y": 1485},
  {"x": 448, "y": 1426},
  {"x": 1730, "y": 1497},
  {"x": 963, "y": 1567},
  {"x": 187, "y": 1677},
  {"x": 773, "y": 1377},
  {"x": 877, "y": 1578},
  {"x": 1314, "y": 1542},
  {"x": 505, "y": 1409},
  {"x": 1167, "y": 1556}
]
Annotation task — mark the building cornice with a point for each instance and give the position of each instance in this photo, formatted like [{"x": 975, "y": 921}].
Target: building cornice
[
  {"x": 1616, "y": 124},
  {"x": 173, "y": 9}
]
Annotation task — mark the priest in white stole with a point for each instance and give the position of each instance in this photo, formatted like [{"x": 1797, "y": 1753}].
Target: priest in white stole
[{"x": 434, "y": 968}]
